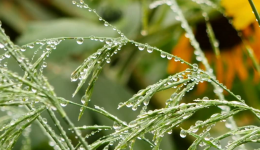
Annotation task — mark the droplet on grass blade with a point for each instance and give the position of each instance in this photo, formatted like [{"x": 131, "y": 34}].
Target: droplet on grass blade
[
  {"x": 80, "y": 40},
  {"x": 149, "y": 50},
  {"x": 2, "y": 46},
  {"x": 163, "y": 54},
  {"x": 183, "y": 133}
]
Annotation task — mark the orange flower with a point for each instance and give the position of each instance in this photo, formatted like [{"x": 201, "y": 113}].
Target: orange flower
[{"x": 231, "y": 62}]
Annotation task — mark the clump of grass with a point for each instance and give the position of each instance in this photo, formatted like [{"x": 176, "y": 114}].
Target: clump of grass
[{"x": 32, "y": 94}]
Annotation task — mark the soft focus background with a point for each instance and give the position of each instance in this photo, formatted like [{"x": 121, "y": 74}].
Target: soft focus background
[{"x": 131, "y": 70}]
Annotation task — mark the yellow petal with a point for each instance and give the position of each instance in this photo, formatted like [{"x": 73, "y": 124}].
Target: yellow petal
[{"x": 241, "y": 12}]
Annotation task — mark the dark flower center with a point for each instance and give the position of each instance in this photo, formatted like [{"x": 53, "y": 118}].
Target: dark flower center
[{"x": 224, "y": 32}]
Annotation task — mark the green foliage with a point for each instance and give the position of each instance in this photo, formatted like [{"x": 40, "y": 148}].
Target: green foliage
[{"x": 31, "y": 94}]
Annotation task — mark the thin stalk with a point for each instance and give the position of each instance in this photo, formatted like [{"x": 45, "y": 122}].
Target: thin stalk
[
  {"x": 63, "y": 133},
  {"x": 82, "y": 140},
  {"x": 255, "y": 11}
]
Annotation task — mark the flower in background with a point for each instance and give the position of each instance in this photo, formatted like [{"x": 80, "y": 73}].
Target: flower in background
[{"x": 231, "y": 62}]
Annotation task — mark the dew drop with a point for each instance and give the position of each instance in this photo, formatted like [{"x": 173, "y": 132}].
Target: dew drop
[
  {"x": 1, "y": 45},
  {"x": 176, "y": 59},
  {"x": 195, "y": 67},
  {"x": 116, "y": 125},
  {"x": 129, "y": 104},
  {"x": 205, "y": 98},
  {"x": 163, "y": 54},
  {"x": 63, "y": 104},
  {"x": 207, "y": 137},
  {"x": 199, "y": 122},
  {"x": 169, "y": 132},
  {"x": 108, "y": 60},
  {"x": 44, "y": 64},
  {"x": 84, "y": 100},
  {"x": 194, "y": 130},
  {"x": 183, "y": 134},
  {"x": 134, "y": 108},
  {"x": 48, "y": 47},
  {"x": 202, "y": 144},
  {"x": 121, "y": 104},
  {"x": 31, "y": 45},
  {"x": 109, "y": 41},
  {"x": 149, "y": 50},
  {"x": 169, "y": 57},
  {"x": 34, "y": 90},
  {"x": 7, "y": 55},
  {"x": 81, "y": 109},
  {"x": 22, "y": 49},
  {"x": 228, "y": 125},
  {"x": 132, "y": 123},
  {"x": 80, "y": 40},
  {"x": 73, "y": 79},
  {"x": 146, "y": 101},
  {"x": 141, "y": 47},
  {"x": 44, "y": 120},
  {"x": 73, "y": 2},
  {"x": 106, "y": 24},
  {"x": 85, "y": 6}
]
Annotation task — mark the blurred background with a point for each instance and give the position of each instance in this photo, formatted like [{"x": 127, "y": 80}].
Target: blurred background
[{"x": 131, "y": 70}]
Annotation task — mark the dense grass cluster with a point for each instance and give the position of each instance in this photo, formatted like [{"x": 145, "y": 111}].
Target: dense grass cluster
[{"x": 30, "y": 94}]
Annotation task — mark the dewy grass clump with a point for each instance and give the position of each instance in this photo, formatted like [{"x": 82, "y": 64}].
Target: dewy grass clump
[{"x": 31, "y": 94}]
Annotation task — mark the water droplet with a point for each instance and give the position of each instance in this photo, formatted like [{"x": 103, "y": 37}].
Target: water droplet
[
  {"x": 121, "y": 104},
  {"x": 22, "y": 49},
  {"x": 195, "y": 67},
  {"x": 108, "y": 60},
  {"x": 202, "y": 144},
  {"x": 44, "y": 64},
  {"x": 34, "y": 90},
  {"x": 205, "y": 98},
  {"x": 73, "y": 2},
  {"x": 48, "y": 47},
  {"x": 84, "y": 100},
  {"x": 44, "y": 120},
  {"x": 116, "y": 125},
  {"x": 194, "y": 129},
  {"x": 129, "y": 104},
  {"x": 228, "y": 125},
  {"x": 7, "y": 55},
  {"x": 141, "y": 47},
  {"x": 81, "y": 1},
  {"x": 163, "y": 54},
  {"x": 64, "y": 104},
  {"x": 169, "y": 132},
  {"x": 85, "y": 6},
  {"x": 146, "y": 101},
  {"x": 149, "y": 50},
  {"x": 80, "y": 40},
  {"x": 183, "y": 133},
  {"x": 169, "y": 57},
  {"x": 199, "y": 122},
  {"x": 1, "y": 45},
  {"x": 106, "y": 24},
  {"x": 132, "y": 123},
  {"x": 176, "y": 59},
  {"x": 73, "y": 79},
  {"x": 31, "y": 45},
  {"x": 109, "y": 41},
  {"x": 207, "y": 137},
  {"x": 134, "y": 108}
]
